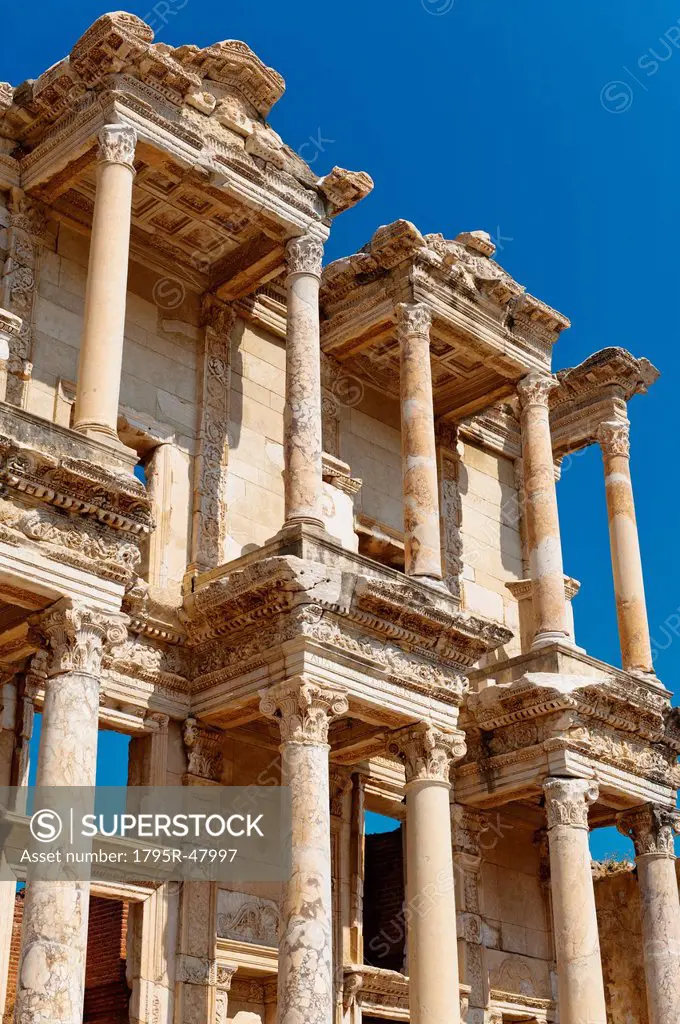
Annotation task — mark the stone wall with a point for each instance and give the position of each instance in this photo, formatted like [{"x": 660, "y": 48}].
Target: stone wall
[
  {"x": 491, "y": 539},
  {"x": 618, "y": 917}
]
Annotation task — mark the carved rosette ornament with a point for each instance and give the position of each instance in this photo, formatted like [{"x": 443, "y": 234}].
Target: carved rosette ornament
[
  {"x": 651, "y": 828},
  {"x": 426, "y": 752},
  {"x": 614, "y": 438},
  {"x": 535, "y": 389},
  {"x": 78, "y": 637},
  {"x": 412, "y": 318},
  {"x": 567, "y": 801},
  {"x": 304, "y": 256},
  {"x": 117, "y": 143},
  {"x": 304, "y": 711}
]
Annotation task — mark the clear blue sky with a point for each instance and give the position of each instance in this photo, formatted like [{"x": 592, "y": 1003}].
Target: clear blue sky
[{"x": 493, "y": 114}]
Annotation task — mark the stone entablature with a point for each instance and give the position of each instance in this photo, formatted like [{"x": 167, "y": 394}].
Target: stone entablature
[{"x": 487, "y": 331}]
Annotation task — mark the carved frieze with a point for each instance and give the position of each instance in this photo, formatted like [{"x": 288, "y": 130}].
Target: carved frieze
[{"x": 247, "y": 918}]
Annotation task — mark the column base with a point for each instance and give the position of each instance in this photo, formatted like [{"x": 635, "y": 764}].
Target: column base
[
  {"x": 549, "y": 637},
  {"x": 104, "y": 435},
  {"x": 303, "y": 520}
]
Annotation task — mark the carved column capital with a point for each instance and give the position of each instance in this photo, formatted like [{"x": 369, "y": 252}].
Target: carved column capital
[
  {"x": 303, "y": 710},
  {"x": 467, "y": 828},
  {"x": 412, "y": 318},
  {"x": 614, "y": 437},
  {"x": 304, "y": 255},
  {"x": 535, "y": 389},
  {"x": 567, "y": 801},
  {"x": 78, "y": 637},
  {"x": 117, "y": 144},
  {"x": 651, "y": 828},
  {"x": 426, "y": 752},
  {"x": 225, "y": 976},
  {"x": 203, "y": 747},
  {"x": 157, "y": 722}
]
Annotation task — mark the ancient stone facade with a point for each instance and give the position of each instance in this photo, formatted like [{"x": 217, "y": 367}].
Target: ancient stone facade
[{"x": 280, "y": 522}]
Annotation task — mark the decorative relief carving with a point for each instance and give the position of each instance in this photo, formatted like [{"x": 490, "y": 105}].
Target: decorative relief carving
[
  {"x": 247, "y": 918},
  {"x": 451, "y": 519},
  {"x": 203, "y": 749},
  {"x": 117, "y": 145},
  {"x": 651, "y": 828},
  {"x": 614, "y": 438},
  {"x": 303, "y": 710},
  {"x": 567, "y": 801},
  {"x": 210, "y": 508},
  {"x": 412, "y": 319},
  {"x": 304, "y": 256},
  {"x": 340, "y": 783},
  {"x": 535, "y": 389},
  {"x": 27, "y": 223},
  {"x": 426, "y": 752},
  {"x": 77, "y": 637}
]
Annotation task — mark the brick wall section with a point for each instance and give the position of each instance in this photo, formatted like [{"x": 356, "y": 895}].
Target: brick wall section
[
  {"x": 106, "y": 992},
  {"x": 384, "y": 925},
  {"x": 15, "y": 950}
]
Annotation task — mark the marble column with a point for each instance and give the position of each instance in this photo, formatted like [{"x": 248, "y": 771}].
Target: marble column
[
  {"x": 305, "y": 982},
  {"x": 631, "y": 607},
  {"x": 51, "y": 980},
  {"x": 428, "y": 754},
  {"x": 652, "y": 829},
  {"x": 422, "y": 542},
  {"x": 540, "y": 511},
  {"x": 577, "y": 944},
  {"x": 303, "y": 481},
  {"x": 101, "y": 346}
]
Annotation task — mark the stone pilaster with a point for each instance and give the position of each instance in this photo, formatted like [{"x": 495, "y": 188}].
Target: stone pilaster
[
  {"x": 10, "y": 332},
  {"x": 428, "y": 754},
  {"x": 302, "y": 439},
  {"x": 54, "y": 937},
  {"x": 577, "y": 944},
  {"x": 652, "y": 830},
  {"x": 203, "y": 748},
  {"x": 101, "y": 346},
  {"x": 305, "y": 982},
  {"x": 631, "y": 607},
  {"x": 540, "y": 510},
  {"x": 468, "y": 828},
  {"x": 225, "y": 974},
  {"x": 422, "y": 543}
]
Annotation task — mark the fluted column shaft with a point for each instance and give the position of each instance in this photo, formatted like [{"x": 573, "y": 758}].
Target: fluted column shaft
[
  {"x": 305, "y": 979},
  {"x": 577, "y": 943},
  {"x": 101, "y": 347},
  {"x": 541, "y": 517},
  {"x": 422, "y": 543},
  {"x": 51, "y": 980},
  {"x": 652, "y": 829},
  {"x": 303, "y": 481},
  {"x": 428, "y": 755},
  {"x": 629, "y": 589}
]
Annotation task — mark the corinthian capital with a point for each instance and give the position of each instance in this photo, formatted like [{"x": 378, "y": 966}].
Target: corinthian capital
[
  {"x": 427, "y": 753},
  {"x": 304, "y": 255},
  {"x": 614, "y": 437},
  {"x": 303, "y": 710},
  {"x": 535, "y": 389},
  {"x": 651, "y": 828},
  {"x": 78, "y": 637},
  {"x": 117, "y": 145},
  {"x": 412, "y": 318},
  {"x": 567, "y": 801}
]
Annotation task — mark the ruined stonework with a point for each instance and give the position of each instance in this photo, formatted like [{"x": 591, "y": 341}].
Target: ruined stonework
[{"x": 284, "y": 522}]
